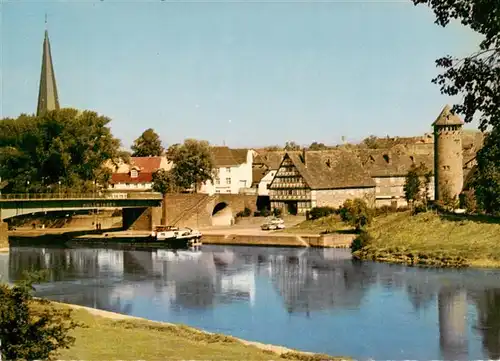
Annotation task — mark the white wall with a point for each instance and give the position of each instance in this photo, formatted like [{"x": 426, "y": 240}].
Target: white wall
[
  {"x": 263, "y": 189},
  {"x": 239, "y": 176}
]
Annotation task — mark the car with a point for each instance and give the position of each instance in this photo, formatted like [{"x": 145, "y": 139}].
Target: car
[{"x": 273, "y": 224}]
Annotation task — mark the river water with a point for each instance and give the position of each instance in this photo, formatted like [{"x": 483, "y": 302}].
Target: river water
[{"x": 310, "y": 299}]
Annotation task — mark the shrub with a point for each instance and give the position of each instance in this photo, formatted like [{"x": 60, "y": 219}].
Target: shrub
[
  {"x": 264, "y": 212},
  {"x": 277, "y": 212},
  {"x": 32, "y": 329},
  {"x": 320, "y": 212},
  {"x": 247, "y": 212},
  {"x": 361, "y": 241},
  {"x": 468, "y": 201},
  {"x": 356, "y": 213}
]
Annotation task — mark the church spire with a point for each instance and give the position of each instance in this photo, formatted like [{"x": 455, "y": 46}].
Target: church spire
[{"x": 47, "y": 95}]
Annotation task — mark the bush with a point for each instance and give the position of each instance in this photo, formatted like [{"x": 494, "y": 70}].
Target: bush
[
  {"x": 262, "y": 213},
  {"x": 247, "y": 212},
  {"x": 277, "y": 212},
  {"x": 361, "y": 241},
  {"x": 356, "y": 213},
  {"x": 320, "y": 212},
  {"x": 32, "y": 329},
  {"x": 468, "y": 201}
]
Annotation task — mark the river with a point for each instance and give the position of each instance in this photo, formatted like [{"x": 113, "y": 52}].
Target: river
[{"x": 310, "y": 299}]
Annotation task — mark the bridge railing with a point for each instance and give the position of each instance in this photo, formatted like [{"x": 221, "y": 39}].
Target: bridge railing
[{"x": 67, "y": 196}]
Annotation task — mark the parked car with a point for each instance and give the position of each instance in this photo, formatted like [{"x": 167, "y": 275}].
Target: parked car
[{"x": 273, "y": 224}]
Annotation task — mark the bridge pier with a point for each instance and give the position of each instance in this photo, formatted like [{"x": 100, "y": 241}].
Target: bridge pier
[
  {"x": 4, "y": 237},
  {"x": 141, "y": 219}
]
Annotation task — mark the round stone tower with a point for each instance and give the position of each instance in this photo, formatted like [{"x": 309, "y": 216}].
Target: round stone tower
[{"x": 448, "y": 163}]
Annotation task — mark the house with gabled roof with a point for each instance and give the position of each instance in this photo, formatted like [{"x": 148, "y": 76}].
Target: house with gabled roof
[
  {"x": 309, "y": 179},
  {"x": 232, "y": 171}
]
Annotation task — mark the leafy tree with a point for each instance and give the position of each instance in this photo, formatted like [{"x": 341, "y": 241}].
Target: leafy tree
[
  {"x": 417, "y": 184},
  {"x": 273, "y": 148},
  {"x": 193, "y": 163},
  {"x": 356, "y": 213},
  {"x": 32, "y": 329},
  {"x": 148, "y": 145},
  {"x": 371, "y": 142},
  {"x": 164, "y": 181},
  {"x": 291, "y": 146},
  {"x": 477, "y": 77},
  {"x": 487, "y": 180},
  {"x": 59, "y": 150},
  {"x": 317, "y": 146}
]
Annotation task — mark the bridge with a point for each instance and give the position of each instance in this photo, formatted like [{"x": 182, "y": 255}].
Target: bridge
[{"x": 12, "y": 205}]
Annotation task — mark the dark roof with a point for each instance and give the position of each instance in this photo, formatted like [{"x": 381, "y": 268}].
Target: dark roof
[
  {"x": 226, "y": 157},
  {"x": 395, "y": 162},
  {"x": 258, "y": 174},
  {"x": 146, "y": 164},
  {"x": 331, "y": 169},
  {"x": 126, "y": 178},
  {"x": 271, "y": 159},
  {"x": 447, "y": 118}
]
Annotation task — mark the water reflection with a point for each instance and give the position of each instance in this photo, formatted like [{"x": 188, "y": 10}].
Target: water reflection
[{"x": 190, "y": 284}]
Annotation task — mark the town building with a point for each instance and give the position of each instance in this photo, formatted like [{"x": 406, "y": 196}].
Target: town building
[
  {"x": 311, "y": 179},
  {"x": 265, "y": 165},
  {"x": 232, "y": 172},
  {"x": 137, "y": 175}
]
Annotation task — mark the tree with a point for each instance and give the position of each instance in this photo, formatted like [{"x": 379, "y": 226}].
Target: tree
[
  {"x": 291, "y": 146},
  {"x": 148, "y": 145},
  {"x": 32, "y": 329},
  {"x": 273, "y": 148},
  {"x": 417, "y": 184},
  {"x": 487, "y": 178},
  {"x": 317, "y": 146},
  {"x": 193, "y": 163},
  {"x": 61, "y": 149},
  {"x": 164, "y": 181},
  {"x": 477, "y": 78},
  {"x": 356, "y": 213}
]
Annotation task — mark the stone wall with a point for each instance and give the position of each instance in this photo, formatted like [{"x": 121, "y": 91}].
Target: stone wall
[
  {"x": 4, "y": 237},
  {"x": 389, "y": 189},
  {"x": 448, "y": 161},
  {"x": 336, "y": 197},
  {"x": 176, "y": 205}
]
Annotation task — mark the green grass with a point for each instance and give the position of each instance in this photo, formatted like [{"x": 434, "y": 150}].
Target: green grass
[
  {"x": 103, "y": 338},
  {"x": 432, "y": 239},
  {"x": 330, "y": 224}
]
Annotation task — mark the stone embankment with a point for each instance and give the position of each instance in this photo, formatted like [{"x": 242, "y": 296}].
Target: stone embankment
[{"x": 4, "y": 237}]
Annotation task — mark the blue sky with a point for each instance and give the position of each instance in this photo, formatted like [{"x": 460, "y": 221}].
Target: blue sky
[{"x": 247, "y": 73}]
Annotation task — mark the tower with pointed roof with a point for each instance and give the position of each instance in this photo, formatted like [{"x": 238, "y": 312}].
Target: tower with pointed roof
[
  {"x": 47, "y": 94},
  {"x": 448, "y": 156}
]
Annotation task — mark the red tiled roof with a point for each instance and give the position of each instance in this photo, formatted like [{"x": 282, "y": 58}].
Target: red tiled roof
[
  {"x": 146, "y": 164},
  {"x": 142, "y": 177}
]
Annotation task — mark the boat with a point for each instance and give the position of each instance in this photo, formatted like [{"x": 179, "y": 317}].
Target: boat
[{"x": 177, "y": 237}]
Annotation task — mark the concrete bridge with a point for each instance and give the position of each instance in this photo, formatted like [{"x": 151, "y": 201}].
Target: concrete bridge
[{"x": 12, "y": 205}]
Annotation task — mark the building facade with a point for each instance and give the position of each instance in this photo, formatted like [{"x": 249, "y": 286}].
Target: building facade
[
  {"x": 305, "y": 180},
  {"x": 137, "y": 175},
  {"x": 448, "y": 154},
  {"x": 232, "y": 173}
]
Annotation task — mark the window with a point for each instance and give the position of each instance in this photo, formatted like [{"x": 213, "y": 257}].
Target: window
[
  {"x": 134, "y": 173},
  {"x": 228, "y": 180},
  {"x": 228, "y": 170},
  {"x": 217, "y": 180},
  {"x": 217, "y": 191}
]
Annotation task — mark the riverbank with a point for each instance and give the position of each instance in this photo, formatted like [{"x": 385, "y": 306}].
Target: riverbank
[
  {"x": 110, "y": 335},
  {"x": 430, "y": 239}
]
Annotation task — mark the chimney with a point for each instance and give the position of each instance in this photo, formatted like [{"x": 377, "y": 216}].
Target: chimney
[{"x": 304, "y": 156}]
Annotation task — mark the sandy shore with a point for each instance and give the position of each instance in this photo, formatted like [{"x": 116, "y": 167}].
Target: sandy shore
[{"x": 279, "y": 350}]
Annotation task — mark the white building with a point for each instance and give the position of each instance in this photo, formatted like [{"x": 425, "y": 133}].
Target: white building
[{"x": 233, "y": 171}]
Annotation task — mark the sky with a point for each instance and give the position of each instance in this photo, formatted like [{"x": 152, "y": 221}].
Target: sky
[{"x": 240, "y": 73}]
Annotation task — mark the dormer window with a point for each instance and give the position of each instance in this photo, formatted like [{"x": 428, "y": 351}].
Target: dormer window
[
  {"x": 412, "y": 159},
  {"x": 134, "y": 173},
  {"x": 328, "y": 163},
  {"x": 386, "y": 158}
]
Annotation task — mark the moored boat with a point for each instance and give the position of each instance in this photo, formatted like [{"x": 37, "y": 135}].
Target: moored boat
[{"x": 177, "y": 237}]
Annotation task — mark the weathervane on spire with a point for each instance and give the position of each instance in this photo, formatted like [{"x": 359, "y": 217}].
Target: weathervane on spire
[{"x": 45, "y": 21}]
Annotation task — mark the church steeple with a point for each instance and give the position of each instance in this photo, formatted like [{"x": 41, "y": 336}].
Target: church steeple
[{"x": 47, "y": 95}]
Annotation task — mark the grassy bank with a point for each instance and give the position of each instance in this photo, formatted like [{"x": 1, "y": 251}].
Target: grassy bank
[
  {"x": 429, "y": 239},
  {"x": 328, "y": 224},
  {"x": 117, "y": 337}
]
